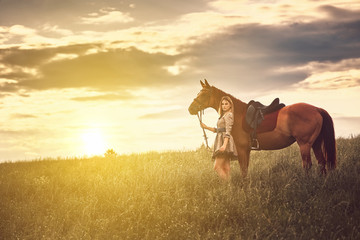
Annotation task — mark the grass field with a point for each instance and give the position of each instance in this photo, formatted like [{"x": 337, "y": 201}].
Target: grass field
[{"x": 177, "y": 195}]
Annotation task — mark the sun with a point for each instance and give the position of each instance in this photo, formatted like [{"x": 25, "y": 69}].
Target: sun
[{"x": 93, "y": 142}]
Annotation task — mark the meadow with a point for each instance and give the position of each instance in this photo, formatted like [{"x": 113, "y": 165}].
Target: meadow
[{"x": 177, "y": 195}]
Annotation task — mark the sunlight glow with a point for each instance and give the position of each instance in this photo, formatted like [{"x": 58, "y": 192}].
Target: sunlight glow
[{"x": 93, "y": 142}]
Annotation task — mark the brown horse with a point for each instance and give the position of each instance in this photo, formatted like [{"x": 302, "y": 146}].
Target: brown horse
[{"x": 309, "y": 126}]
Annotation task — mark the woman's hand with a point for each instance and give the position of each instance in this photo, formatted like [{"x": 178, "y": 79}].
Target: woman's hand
[
  {"x": 203, "y": 125},
  {"x": 222, "y": 148},
  {"x": 206, "y": 127}
]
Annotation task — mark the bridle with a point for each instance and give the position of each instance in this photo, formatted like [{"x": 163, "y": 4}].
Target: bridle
[
  {"x": 199, "y": 114},
  {"x": 200, "y": 120}
]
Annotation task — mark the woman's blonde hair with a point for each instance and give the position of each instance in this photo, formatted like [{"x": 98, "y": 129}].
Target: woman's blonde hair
[{"x": 227, "y": 98}]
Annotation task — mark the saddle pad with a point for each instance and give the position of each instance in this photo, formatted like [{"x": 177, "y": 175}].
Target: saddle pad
[{"x": 269, "y": 122}]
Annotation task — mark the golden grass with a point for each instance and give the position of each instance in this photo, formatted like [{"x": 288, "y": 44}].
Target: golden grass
[{"x": 177, "y": 195}]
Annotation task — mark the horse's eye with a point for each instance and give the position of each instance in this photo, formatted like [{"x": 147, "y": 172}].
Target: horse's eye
[
  {"x": 204, "y": 95},
  {"x": 202, "y": 98}
]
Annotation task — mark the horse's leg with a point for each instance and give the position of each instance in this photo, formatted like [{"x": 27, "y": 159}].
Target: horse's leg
[
  {"x": 306, "y": 143},
  {"x": 305, "y": 155},
  {"x": 320, "y": 157},
  {"x": 243, "y": 158},
  {"x": 222, "y": 167},
  {"x": 305, "y": 125}
]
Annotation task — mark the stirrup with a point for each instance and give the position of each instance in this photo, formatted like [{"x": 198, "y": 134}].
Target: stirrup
[{"x": 257, "y": 145}]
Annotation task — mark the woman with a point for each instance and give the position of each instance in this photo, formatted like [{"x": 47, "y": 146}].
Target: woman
[{"x": 224, "y": 147}]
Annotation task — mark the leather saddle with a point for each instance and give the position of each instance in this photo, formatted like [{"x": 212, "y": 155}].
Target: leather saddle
[{"x": 255, "y": 115}]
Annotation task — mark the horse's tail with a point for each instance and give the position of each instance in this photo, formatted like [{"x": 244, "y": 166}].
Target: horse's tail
[{"x": 327, "y": 140}]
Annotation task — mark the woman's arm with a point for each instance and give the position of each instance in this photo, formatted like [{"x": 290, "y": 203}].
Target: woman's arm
[
  {"x": 223, "y": 147},
  {"x": 229, "y": 121},
  {"x": 208, "y": 128}
]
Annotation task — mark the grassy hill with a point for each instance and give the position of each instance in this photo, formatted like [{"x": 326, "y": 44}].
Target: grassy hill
[{"x": 177, "y": 195}]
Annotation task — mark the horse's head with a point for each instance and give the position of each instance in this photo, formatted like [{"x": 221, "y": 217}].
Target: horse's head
[{"x": 203, "y": 99}]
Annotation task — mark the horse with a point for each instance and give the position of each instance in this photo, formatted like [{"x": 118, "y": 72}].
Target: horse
[{"x": 309, "y": 126}]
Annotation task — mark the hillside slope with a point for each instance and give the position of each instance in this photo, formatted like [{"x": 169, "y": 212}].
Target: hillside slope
[{"x": 177, "y": 195}]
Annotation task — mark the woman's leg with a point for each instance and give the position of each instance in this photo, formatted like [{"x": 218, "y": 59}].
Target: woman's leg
[{"x": 222, "y": 167}]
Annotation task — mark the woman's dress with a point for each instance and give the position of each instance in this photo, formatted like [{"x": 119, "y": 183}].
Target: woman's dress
[{"x": 224, "y": 126}]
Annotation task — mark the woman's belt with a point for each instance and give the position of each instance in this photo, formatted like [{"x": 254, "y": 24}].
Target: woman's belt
[{"x": 219, "y": 130}]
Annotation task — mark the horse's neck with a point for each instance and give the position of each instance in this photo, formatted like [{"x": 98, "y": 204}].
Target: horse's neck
[{"x": 239, "y": 106}]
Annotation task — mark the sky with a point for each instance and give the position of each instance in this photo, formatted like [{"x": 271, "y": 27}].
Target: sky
[{"x": 80, "y": 77}]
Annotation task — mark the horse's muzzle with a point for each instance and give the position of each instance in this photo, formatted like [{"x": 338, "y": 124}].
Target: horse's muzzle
[{"x": 193, "y": 109}]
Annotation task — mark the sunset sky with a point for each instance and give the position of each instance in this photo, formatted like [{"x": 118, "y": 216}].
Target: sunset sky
[{"x": 79, "y": 77}]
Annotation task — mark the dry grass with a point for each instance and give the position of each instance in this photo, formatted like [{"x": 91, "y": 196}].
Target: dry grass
[{"x": 176, "y": 195}]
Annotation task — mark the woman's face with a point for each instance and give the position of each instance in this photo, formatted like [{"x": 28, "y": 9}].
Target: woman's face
[{"x": 225, "y": 105}]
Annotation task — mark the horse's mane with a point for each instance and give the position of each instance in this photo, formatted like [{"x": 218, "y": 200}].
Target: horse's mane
[{"x": 239, "y": 106}]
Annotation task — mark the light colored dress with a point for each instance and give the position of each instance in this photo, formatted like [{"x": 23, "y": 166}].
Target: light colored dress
[{"x": 224, "y": 127}]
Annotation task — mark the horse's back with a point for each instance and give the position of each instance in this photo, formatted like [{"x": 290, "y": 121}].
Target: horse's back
[
  {"x": 300, "y": 112},
  {"x": 302, "y": 107},
  {"x": 300, "y": 119}
]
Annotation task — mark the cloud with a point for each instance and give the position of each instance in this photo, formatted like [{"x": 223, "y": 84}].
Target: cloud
[
  {"x": 63, "y": 56},
  {"x": 8, "y": 87},
  {"x": 21, "y": 30},
  {"x": 16, "y": 33},
  {"x": 331, "y": 80},
  {"x": 164, "y": 114},
  {"x": 56, "y": 29},
  {"x": 179, "y": 66},
  {"x": 104, "y": 97},
  {"x": 327, "y": 74},
  {"x": 66, "y": 13},
  {"x": 250, "y": 56},
  {"x": 341, "y": 13},
  {"x": 111, "y": 70},
  {"x": 284, "y": 12},
  {"x": 213, "y": 44},
  {"x": 29, "y": 58},
  {"x": 188, "y": 24},
  {"x": 19, "y": 133},
  {"x": 107, "y": 17},
  {"x": 166, "y": 37},
  {"x": 21, "y": 115},
  {"x": 89, "y": 66}
]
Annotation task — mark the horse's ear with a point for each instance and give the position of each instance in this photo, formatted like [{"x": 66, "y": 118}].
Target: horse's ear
[
  {"x": 207, "y": 84},
  {"x": 202, "y": 84}
]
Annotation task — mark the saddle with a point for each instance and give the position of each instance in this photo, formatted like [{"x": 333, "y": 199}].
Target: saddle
[{"x": 255, "y": 115}]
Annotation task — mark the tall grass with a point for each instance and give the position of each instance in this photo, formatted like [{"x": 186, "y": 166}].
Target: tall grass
[{"x": 177, "y": 195}]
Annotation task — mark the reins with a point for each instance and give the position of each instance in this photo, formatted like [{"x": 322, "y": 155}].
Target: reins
[{"x": 200, "y": 119}]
